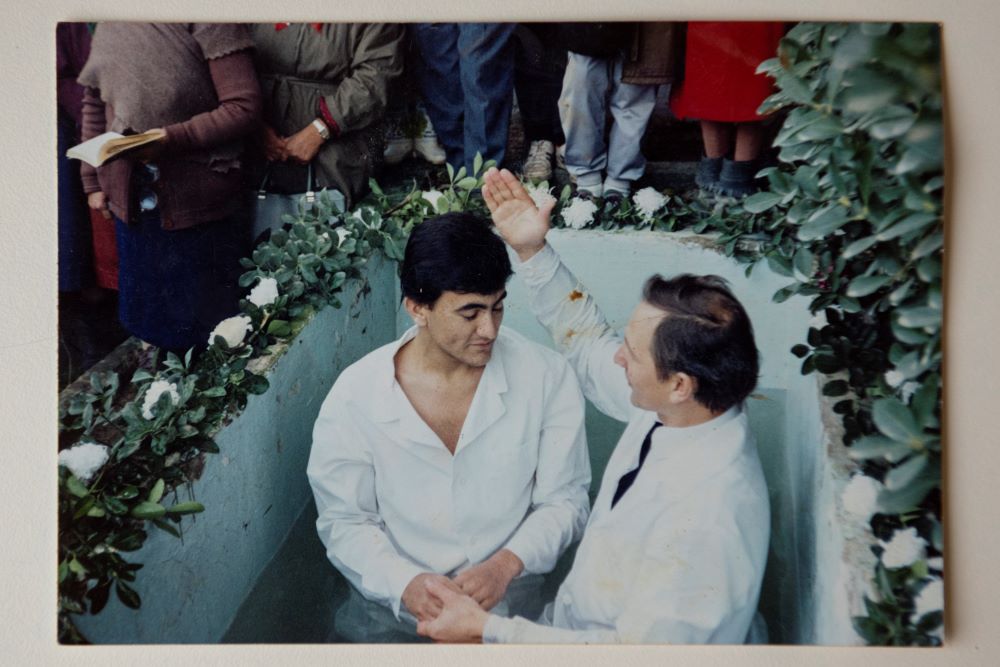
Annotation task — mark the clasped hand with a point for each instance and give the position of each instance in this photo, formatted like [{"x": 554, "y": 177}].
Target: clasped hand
[{"x": 301, "y": 147}]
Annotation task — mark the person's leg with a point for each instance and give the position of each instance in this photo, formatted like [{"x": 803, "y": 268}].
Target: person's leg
[
  {"x": 486, "y": 63},
  {"x": 539, "y": 70},
  {"x": 631, "y": 107},
  {"x": 717, "y": 137},
  {"x": 441, "y": 86},
  {"x": 582, "y": 107},
  {"x": 737, "y": 177},
  {"x": 749, "y": 141}
]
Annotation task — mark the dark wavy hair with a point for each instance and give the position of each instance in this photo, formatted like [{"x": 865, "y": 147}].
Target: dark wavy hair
[
  {"x": 454, "y": 252},
  {"x": 706, "y": 334}
]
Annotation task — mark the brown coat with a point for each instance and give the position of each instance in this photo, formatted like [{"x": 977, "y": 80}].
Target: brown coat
[{"x": 654, "y": 55}]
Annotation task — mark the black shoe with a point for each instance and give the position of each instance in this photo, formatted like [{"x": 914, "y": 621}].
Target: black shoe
[{"x": 707, "y": 175}]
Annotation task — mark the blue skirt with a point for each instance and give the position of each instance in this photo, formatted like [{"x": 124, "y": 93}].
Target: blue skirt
[
  {"x": 76, "y": 269},
  {"x": 175, "y": 286}
]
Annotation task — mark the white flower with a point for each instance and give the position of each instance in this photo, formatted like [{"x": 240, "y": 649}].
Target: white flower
[
  {"x": 265, "y": 293},
  {"x": 930, "y": 598},
  {"x": 432, "y": 197},
  {"x": 648, "y": 201},
  {"x": 904, "y": 549},
  {"x": 907, "y": 390},
  {"x": 156, "y": 389},
  {"x": 84, "y": 459},
  {"x": 538, "y": 194},
  {"x": 342, "y": 233},
  {"x": 860, "y": 496},
  {"x": 894, "y": 378},
  {"x": 232, "y": 329},
  {"x": 936, "y": 563},
  {"x": 579, "y": 213}
]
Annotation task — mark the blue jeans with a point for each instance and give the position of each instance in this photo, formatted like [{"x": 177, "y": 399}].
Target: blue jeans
[
  {"x": 591, "y": 88},
  {"x": 466, "y": 77}
]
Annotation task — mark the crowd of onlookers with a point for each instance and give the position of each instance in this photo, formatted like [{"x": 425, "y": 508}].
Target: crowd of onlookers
[{"x": 322, "y": 105}]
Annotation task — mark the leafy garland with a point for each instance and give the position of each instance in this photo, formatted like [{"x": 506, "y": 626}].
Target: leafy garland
[{"x": 852, "y": 215}]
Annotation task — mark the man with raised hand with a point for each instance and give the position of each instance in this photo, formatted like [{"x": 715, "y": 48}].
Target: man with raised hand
[
  {"x": 454, "y": 455},
  {"x": 675, "y": 548}
]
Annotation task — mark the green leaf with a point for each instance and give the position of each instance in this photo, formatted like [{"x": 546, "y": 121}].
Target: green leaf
[
  {"x": 186, "y": 508},
  {"x": 148, "y": 510},
  {"x": 908, "y": 498},
  {"x": 780, "y": 265},
  {"x": 901, "y": 476},
  {"x": 761, "y": 201},
  {"x": 895, "y": 421},
  {"x": 156, "y": 492},
  {"x": 803, "y": 264},
  {"x": 929, "y": 269},
  {"x": 76, "y": 487},
  {"x": 166, "y": 527},
  {"x": 918, "y": 316},
  {"x": 865, "y": 285},
  {"x": 477, "y": 163},
  {"x": 857, "y": 247},
  {"x": 892, "y": 121},
  {"x": 876, "y": 446},
  {"x": 800, "y": 350},
  {"x": 823, "y": 222},
  {"x": 835, "y": 388},
  {"x": 255, "y": 384},
  {"x": 127, "y": 595},
  {"x": 114, "y": 505},
  {"x": 911, "y": 223},
  {"x": 279, "y": 328},
  {"x": 214, "y": 392},
  {"x": 826, "y": 363}
]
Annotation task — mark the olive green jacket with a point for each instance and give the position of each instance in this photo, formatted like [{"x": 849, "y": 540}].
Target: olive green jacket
[{"x": 350, "y": 66}]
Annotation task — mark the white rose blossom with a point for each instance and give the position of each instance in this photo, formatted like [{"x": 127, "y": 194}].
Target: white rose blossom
[
  {"x": 265, "y": 293},
  {"x": 860, "y": 496},
  {"x": 929, "y": 599},
  {"x": 538, "y": 194},
  {"x": 232, "y": 329},
  {"x": 432, "y": 197},
  {"x": 893, "y": 378},
  {"x": 907, "y": 390},
  {"x": 342, "y": 233},
  {"x": 84, "y": 459},
  {"x": 156, "y": 389},
  {"x": 648, "y": 201},
  {"x": 904, "y": 548},
  {"x": 579, "y": 213}
]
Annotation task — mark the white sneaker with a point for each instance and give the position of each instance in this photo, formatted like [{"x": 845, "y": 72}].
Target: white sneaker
[
  {"x": 426, "y": 145},
  {"x": 538, "y": 164},
  {"x": 397, "y": 145}
]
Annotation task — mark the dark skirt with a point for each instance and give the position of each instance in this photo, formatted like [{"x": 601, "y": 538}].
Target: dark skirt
[
  {"x": 76, "y": 269},
  {"x": 175, "y": 286}
]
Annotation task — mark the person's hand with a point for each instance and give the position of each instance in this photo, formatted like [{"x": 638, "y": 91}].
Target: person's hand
[
  {"x": 303, "y": 146},
  {"x": 487, "y": 582},
  {"x": 99, "y": 202},
  {"x": 460, "y": 618},
  {"x": 419, "y": 602},
  {"x": 151, "y": 151},
  {"x": 274, "y": 145},
  {"x": 521, "y": 224}
]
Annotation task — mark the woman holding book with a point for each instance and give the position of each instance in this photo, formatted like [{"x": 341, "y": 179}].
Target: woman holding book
[{"x": 179, "y": 227}]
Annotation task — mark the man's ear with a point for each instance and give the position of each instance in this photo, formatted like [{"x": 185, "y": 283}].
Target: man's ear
[
  {"x": 416, "y": 311},
  {"x": 682, "y": 387}
]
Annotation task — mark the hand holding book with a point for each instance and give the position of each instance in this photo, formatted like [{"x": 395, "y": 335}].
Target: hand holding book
[{"x": 110, "y": 145}]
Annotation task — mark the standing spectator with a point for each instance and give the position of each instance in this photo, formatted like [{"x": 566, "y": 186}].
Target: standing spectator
[
  {"x": 539, "y": 67},
  {"x": 722, "y": 89},
  {"x": 325, "y": 87},
  {"x": 612, "y": 67},
  {"x": 467, "y": 78},
  {"x": 179, "y": 229}
]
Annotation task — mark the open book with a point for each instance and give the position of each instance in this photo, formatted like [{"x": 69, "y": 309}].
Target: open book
[{"x": 110, "y": 145}]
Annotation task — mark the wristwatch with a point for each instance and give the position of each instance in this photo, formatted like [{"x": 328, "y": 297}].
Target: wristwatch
[{"x": 321, "y": 127}]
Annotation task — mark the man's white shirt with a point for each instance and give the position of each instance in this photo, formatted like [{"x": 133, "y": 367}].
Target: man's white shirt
[
  {"x": 393, "y": 502},
  {"x": 681, "y": 556}
]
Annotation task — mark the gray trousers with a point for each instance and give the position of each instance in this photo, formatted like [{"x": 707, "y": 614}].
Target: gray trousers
[{"x": 592, "y": 87}]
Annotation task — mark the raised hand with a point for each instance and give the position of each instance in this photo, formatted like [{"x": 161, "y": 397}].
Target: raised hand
[
  {"x": 521, "y": 224},
  {"x": 460, "y": 618}
]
